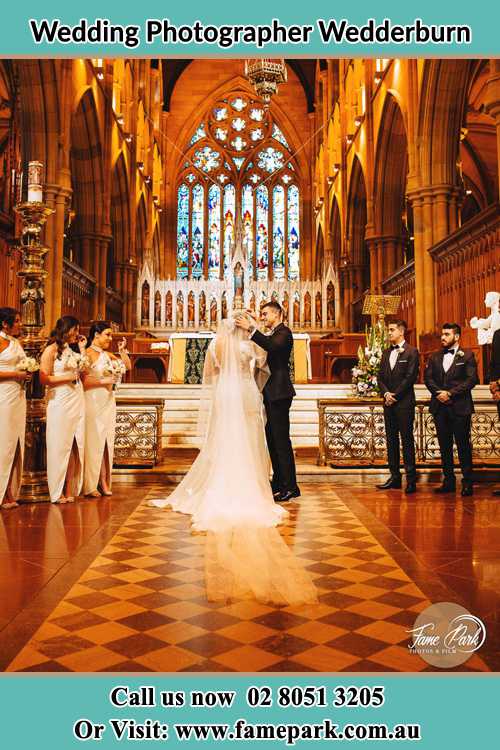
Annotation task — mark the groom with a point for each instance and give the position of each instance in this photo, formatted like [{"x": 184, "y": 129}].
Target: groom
[{"x": 278, "y": 395}]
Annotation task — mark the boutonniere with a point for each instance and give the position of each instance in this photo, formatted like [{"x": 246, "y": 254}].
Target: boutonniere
[{"x": 460, "y": 353}]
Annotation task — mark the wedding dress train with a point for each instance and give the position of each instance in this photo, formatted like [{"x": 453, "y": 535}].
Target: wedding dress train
[{"x": 227, "y": 491}]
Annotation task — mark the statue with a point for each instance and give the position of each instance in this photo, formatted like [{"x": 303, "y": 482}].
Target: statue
[
  {"x": 224, "y": 306},
  {"x": 157, "y": 309},
  {"x": 213, "y": 312},
  {"x": 330, "y": 304},
  {"x": 202, "y": 312},
  {"x": 252, "y": 303},
  {"x": 180, "y": 310},
  {"x": 32, "y": 304},
  {"x": 168, "y": 309},
  {"x": 239, "y": 285},
  {"x": 486, "y": 327},
  {"x": 191, "y": 309},
  {"x": 296, "y": 309},
  {"x": 319, "y": 310},
  {"x": 307, "y": 309},
  {"x": 285, "y": 307},
  {"x": 145, "y": 304}
]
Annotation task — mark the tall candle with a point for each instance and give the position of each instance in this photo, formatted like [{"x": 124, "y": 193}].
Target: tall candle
[{"x": 35, "y": 190}]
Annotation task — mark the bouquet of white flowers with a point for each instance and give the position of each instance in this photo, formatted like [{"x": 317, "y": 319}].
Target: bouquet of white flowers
[
  {"x": 364, "y": 375},
  {"x": 74, "y": 361},
  {"x": 27, "y": 364},
  {"x": 115, "y": 369}
]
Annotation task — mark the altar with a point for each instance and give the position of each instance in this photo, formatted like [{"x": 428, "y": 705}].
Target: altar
[{"x": 187, "y": 357}]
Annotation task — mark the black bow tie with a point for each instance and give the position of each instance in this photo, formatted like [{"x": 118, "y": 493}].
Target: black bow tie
[
  {"x": 449, "y": 350},
  {"x": 395, "y": 346}
]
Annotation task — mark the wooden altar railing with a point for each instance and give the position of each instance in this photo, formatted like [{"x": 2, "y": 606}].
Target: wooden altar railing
[{"x": 352, "y": 433}]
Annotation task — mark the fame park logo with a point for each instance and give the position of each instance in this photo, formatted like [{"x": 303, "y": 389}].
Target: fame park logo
[{"x": 446, "y": 635}]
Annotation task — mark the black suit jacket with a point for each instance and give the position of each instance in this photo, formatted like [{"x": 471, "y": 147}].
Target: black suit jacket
[
  {"x": 278, "y": 347},
  {"x": 495, "y": 357},
  {"x": 458, "y": 381},
  {"x": 402, "y": 378}
]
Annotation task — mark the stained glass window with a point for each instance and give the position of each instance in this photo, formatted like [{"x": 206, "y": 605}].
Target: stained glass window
[
  {"x": 206, "y": 159},
  {"x": 238, "y": 143},
  {"x": 214, "y": 232},
  {"x": 182, "y": 231},
  {"x": 229, "y": 219},
  {"x": 239, "y": 124},
  {"x": 238, "y": 104},
  {"x": 257, "y": 114},
  {"x": 200, "y": 133},
  {"x": 197, "y": 231},
  {"x": 278, "y": 135},
  {"x": 270, "y": 159},
  {"x": 262, "y": 252},
  {"x": 235, "y": 181},
  {"x": 247, "y": 218},
  {"x": 293, "y": 232},
  {"x": 279, "y": 232}
]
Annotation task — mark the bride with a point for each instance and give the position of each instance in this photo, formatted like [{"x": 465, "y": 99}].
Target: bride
[{"x": 227, "y": 491}]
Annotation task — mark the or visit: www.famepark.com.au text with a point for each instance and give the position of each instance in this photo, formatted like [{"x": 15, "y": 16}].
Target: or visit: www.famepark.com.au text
[{"x": 292, "y": 733}]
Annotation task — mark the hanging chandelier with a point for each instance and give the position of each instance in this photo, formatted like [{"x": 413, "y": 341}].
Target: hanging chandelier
[{"x": 265, "y": 76}]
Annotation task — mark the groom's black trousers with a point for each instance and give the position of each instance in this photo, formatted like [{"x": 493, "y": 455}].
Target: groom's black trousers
[{"x": 279, "y": 443}]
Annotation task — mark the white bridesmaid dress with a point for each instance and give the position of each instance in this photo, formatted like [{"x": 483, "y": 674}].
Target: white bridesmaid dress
[
  {"x": 100, "y": 425},
  {"x": 12, "y": 421},
  {"x": 65, "y": 426}
]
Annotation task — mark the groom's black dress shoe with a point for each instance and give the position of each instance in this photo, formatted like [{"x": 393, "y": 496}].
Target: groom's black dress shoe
[
  {"x": 445, "y": 488},
  {"x": 390, "y": 484},
  {"x": 288, "y": 495},
  {"x": 467, "y": 490},
  {"x": 411, "y": 488}
]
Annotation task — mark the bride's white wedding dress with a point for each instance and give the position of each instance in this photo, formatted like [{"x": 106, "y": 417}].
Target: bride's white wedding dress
[{"x": 227, "y": 491}]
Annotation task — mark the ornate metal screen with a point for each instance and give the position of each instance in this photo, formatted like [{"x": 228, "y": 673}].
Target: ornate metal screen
[
  {"x": 138, "y": 432},
  {"x": 351, "y": 432}
]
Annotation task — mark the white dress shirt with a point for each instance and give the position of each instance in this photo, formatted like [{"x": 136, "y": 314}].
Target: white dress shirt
[
  {"x": 393, "y": 356},
  {"x": 448, "y": 358}
]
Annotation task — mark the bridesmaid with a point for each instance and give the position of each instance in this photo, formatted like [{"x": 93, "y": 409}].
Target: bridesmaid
[
  {"x": 99, "y": 382},
  {"x": 12, "y": 408},
  {"x": 60, "y": 371}
]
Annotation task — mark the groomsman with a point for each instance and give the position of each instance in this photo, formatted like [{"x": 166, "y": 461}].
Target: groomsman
[
  {"x": 450, "y": 376},
  {"x": 495, "y": 375},
  {"x": 396, "y": 379}
]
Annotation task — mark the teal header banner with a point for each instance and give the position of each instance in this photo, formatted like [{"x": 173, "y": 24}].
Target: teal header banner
[
  {"x": 446, "y": 711},
  {"x": 223, "y": 29}
]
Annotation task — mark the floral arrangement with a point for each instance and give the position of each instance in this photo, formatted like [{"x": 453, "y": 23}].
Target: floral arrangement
[
  {"x": 364, "y": 375},
  {"x": 28, "y": 364},
  {"x": 74, "y": 361},
  {"x": 115, "y": 369}
]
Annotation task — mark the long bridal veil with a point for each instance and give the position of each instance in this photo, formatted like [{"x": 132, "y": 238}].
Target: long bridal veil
[{"x": 227, "y": 490}]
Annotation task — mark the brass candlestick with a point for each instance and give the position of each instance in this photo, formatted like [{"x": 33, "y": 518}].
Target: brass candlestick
[{"x": 34, "y": 214}]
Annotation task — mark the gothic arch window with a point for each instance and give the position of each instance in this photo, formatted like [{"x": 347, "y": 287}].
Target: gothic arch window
[{"x": 238, "y": 183}]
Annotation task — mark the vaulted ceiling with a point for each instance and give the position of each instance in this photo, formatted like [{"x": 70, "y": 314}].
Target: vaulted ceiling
[{"x": 305, "y": 71}]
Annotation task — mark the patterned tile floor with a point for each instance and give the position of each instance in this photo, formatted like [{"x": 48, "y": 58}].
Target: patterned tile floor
[{"x": 140, "y": 605}]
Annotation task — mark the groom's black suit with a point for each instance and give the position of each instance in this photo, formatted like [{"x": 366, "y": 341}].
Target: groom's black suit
[{"x": 278, "y": 395}]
